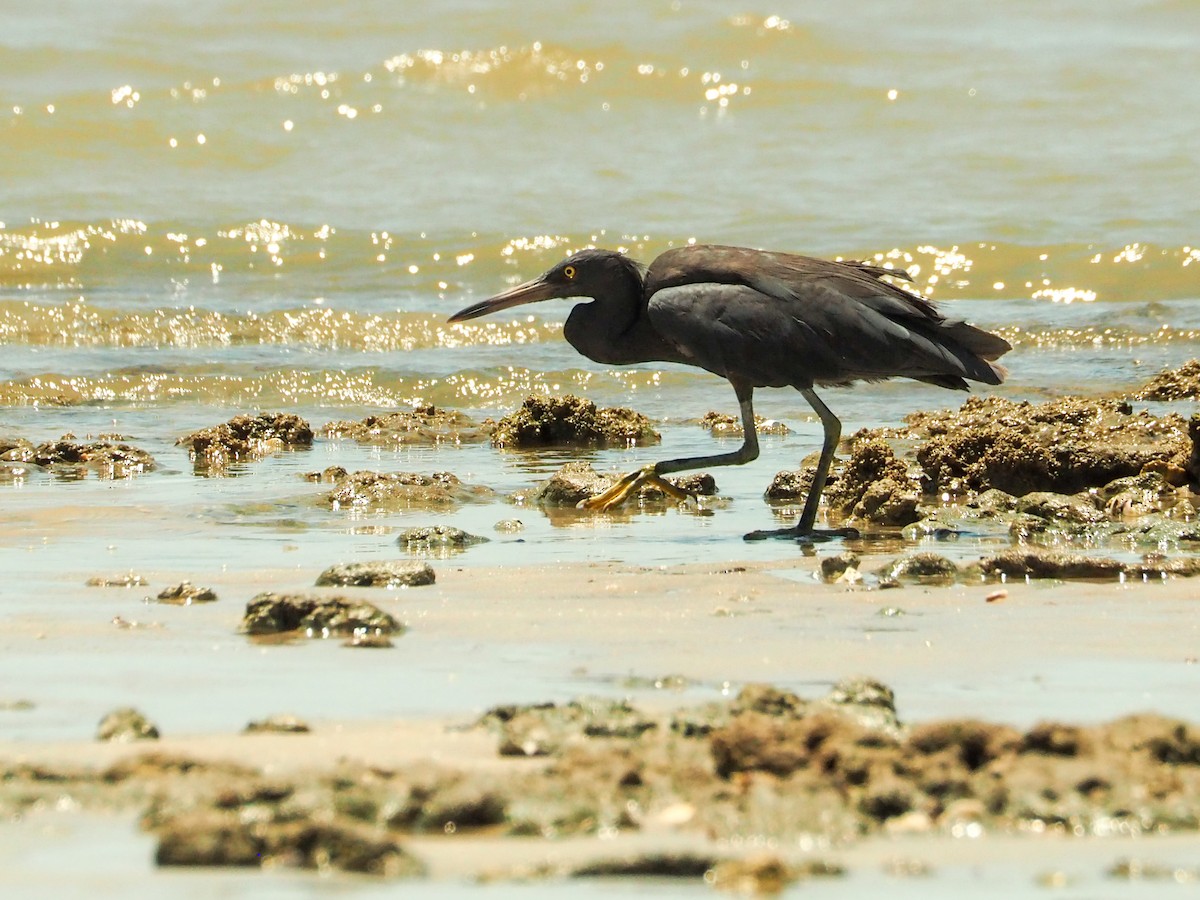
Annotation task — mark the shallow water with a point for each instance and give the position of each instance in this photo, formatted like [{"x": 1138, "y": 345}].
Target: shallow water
[
  {"x": 276, "y": 207},
  {"x": 212, "y": 209}
]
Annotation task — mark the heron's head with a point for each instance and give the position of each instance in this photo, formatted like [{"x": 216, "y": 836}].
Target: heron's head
[{"x": 588, "y": 273}]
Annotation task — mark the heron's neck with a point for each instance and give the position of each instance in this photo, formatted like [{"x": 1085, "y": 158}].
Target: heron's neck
[{"x": 616, "y": 333}]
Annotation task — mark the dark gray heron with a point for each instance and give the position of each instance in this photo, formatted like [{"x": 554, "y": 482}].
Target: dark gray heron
[{"x": 758, "y": 319}]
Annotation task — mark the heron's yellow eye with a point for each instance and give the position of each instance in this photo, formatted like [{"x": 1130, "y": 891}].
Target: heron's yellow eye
[{"x": 569, "y": 271}]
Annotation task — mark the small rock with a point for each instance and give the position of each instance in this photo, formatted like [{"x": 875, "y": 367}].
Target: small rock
[
  {"x": 698, "y": 484},
  {"x": 128, "y": 580},
  {"x": 437, "y": 537},
  {"x": 208, "y": 838},
  {"x": 1175, "y": 383},
  {"x": 789, "y": 486},
  {"x": 834, "y": 567},
  {"x": 316, "y": 616},
  {"x": 770, "y": 701},
  {"x": 126, "y": 725},
  {"x": 574, "y": 482},
  {"x": 283, "y": 724},
  {"x": 546, "y": 728},
  {"x": 328, "y": 475},
  {"x": 223, "y": 838},
  {"x": 649, "y": 865},
  {"x": 424, "y": 425},
  {"x": 572, "y": 421},
  {"x": 726, "y": 425},
  {"x": 244, "y": 438},
  {"x": 15, "y": 450},
  {"x": 869, "y": 703},
  {"x": 185, "y": 594},
  {"x": 403, "y": 490},
  {"x": 926, "y": 568},
  {"x": 377, "y": 574},
  {"x": 104, "y": 458},
  {"x": 1050, "y": 564},
  {"x": 1057, "y": 508},
  {"x": 509, "y": 526}
]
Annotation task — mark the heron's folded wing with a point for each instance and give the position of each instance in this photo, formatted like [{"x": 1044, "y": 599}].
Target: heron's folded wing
[{"x": 822, "y": 337}]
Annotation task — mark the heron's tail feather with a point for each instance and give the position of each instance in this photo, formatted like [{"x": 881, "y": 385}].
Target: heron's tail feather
[{"x": 983, "y": 343}]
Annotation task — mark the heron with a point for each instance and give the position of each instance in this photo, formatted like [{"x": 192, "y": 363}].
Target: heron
[{"x": 758, "y": 319}]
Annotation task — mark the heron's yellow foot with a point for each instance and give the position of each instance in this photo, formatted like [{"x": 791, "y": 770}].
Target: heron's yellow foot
[{"x": 630, "y": 484}]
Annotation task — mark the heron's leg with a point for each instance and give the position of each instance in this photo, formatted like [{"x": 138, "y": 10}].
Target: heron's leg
[
  {"x": 832, "y": 427},
  {"x": 652, "y": 474},
  {"x": 833, "y": 433}
]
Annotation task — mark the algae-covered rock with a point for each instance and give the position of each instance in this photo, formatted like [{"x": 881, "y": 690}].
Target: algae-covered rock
[
  {"x": 437, "y": 538},
  {"x": 328, "y": 475},
  {"x": 648, "y": 865},
  {"x": 423, "y": 425},
  {"x": 1057, "y": 508},
  {"x": 578, "y": 481},
  {"x": 572, "y": 421},
  {"x": 891, "y": 502},
  {"x": 125, "y": 725},
  {"x": 574, "y": 482},
  {"x": 770, "y": 701},
  {"x": 15, "y": 450},
  {"x": 924, "y": 568},
  {"x": 1050, "y": 564},
  {"x": 185, "y": 594},
  {"x": 834, "y": 568},
  {"x": 792, "y": 485},
  {"x": 128, "y": 580},
  {"x": 222, "y": 838},
  {"x": 792, "y": 769},
  {"x": 384, "y": 574},
  {"x": 1065, "y": 446},
  {"x": 315, "y": 615},
  {"x": 546, "y": 728},
  {"x": 279, "y": 724},
  {"x": 244, "y": 438},
  {"x": 753, "y": 742},
  {"x": 1178, "y": 383},
  {"x": 403, "y": 490},
  {"x": 697, "y": 484},
  {"x": 726, "y": 425},
  {"x": 873, "y": 485},
  {"x": 867, "y": 701},
  {"x": 105, "y": 459}
]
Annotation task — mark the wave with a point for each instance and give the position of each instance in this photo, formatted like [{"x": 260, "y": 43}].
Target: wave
[
  {"x": 308, "y": 260},
  {"x": 247, "y": 387}
]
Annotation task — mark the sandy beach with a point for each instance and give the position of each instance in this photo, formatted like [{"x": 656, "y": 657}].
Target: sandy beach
[{"x": 1075, "y": 653}]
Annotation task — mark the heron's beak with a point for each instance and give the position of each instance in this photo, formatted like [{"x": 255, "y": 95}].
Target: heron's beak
[{"x": 530, "y": 292}]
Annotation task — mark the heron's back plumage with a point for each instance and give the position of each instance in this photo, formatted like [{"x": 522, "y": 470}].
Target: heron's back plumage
[{"x": 774, "y": 319}]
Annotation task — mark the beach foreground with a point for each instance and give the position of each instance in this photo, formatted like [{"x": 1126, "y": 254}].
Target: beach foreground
[{"x": 629, "y": 788}]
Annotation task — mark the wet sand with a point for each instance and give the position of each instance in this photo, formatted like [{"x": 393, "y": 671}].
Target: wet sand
[{"x": 1078, "y": 653}]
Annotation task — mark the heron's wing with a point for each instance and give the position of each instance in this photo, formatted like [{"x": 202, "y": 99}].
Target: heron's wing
[
  {"x": 792, "y": 278},
  {"x": 826, "y": 336}
]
